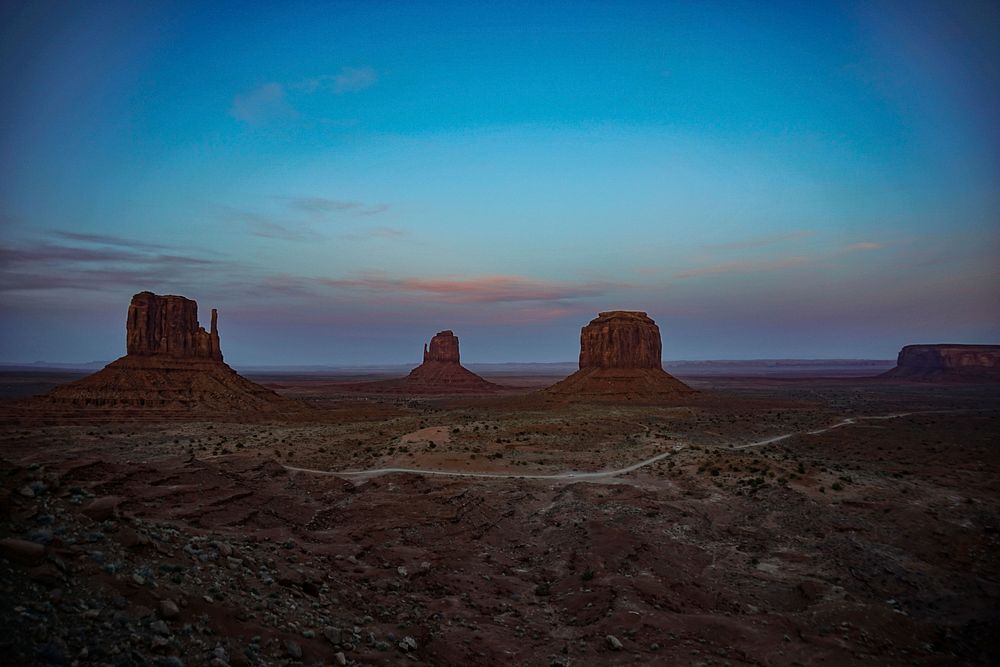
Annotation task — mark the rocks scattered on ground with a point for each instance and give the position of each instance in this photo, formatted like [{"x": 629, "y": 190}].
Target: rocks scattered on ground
[
  {"x": 176, "y": 596},
  {"x": 848, "y": 546}
]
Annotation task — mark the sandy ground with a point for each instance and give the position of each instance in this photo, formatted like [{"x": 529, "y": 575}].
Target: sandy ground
[{"x": 753, "y": 533}]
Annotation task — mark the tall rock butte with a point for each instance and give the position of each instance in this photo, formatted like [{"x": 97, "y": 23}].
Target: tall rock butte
[
  {"x": 442, "y": 348},
  {"x": 168, "y": 326},
  {"x": 171, "y": 364},
  {"x": 620, "y": 354},
  {"x": 440, "y": 373},
  {"x": 947, "y": 363}
]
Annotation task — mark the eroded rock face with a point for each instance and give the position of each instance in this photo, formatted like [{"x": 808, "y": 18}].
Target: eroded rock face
[
  {"x": 620, "y": 361},
  {"x": 443, "y": 347},
  {"x": 440, "y": 373},
  {"x": 948, "y": 362},
  {"x": 168, "y": 326},
  {"x": 620, "y": 339},
  {"x": 173, "y": 365}
]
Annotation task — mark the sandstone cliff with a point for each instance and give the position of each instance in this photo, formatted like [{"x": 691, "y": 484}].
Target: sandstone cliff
[
  {"x": 620, "y": 360},
  {"x": 620, "y": 339},
  {"x": 172, "y": 365},
  {"x": 944, "y": 362},
  {"x": 168, "y": 326},
  {"x": 443, "y": 347}
]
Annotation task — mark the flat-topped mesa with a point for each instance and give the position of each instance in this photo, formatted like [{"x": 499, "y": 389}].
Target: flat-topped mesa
[
  {"x": 948, "y": 362},
  {"x": 620, "y": 361},
  {"x": 620, "y": 339},
  {"x": 443, "y": 348},
  {"x": 168, "y": 326}
]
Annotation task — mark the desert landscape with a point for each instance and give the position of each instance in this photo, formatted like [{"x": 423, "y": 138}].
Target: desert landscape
[
  {"x": 526, "y": 333},
  {"x": 626, "y": 517}
]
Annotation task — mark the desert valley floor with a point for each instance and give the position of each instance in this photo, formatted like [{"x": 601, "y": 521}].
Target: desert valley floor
[{"x": 772, "y": 521}]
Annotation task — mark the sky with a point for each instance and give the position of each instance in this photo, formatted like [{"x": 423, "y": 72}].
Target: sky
[{"x": 343, "y": 180}]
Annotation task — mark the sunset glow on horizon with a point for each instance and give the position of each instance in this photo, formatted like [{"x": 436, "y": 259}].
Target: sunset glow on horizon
[{"x": 343, "y": 180}]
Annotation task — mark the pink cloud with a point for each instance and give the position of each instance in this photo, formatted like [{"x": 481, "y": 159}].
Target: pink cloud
[
  {"x": 529, "y": 314},
  {"x": 864, "y": 245},
  {"x": 484, "y": 289}
]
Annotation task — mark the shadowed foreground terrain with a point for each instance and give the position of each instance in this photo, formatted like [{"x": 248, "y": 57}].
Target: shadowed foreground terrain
[{"x": 173, "y": 543}]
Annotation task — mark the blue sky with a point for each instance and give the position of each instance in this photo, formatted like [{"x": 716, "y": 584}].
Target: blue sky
[{"x": 342, "y": 180}]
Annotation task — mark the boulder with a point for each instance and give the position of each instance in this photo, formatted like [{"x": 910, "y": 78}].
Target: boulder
[
  {"x": 103, "y": 508},
  {"x": 22, "y": 551}
]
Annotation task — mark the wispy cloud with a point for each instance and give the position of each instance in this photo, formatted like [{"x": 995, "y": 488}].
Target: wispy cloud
[
  {"x": 273, "y": 230},
  {"x": 374, "y": 209},
  {"x": 262, "y": 105},
  {"x": 346, "y": 80},
  {"x": 303, "y": 218},
  {"x": 322, "y": 206},
  {"x": 43, "y": 251},
  {"x": 284, "y": 285},
  {"x": 42, "y": 264},
  {"x": 375, "y": 233},
  {"x": 350, "y": 79},
  {"x": 265, "y": 226},
  {"x": 748, "y": 266},
  {"x": 477, "y": 289},
  {"x": 106, "y": 239},
  {"x": 864, "y": 245},
  {"x": 527, "y": 314},
  {"x": 271, "y": 101},
  {"x": 763, "y": 241},
  {"x": 776, "y": 263}
]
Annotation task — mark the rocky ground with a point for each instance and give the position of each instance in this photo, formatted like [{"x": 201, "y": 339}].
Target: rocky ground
[{"x": 193, "y": 543}]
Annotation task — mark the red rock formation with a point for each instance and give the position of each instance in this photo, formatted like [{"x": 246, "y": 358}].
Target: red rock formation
[
  {"x": 168, "y": 326},
  {"x": 620, "y": 360},
  {"x": 620, "y": 339},
  {"x": 171, "y": 364},
  {"x": 944, "y": 362},
  {"x": 440, "y": 373},
  {"x": 443, "y": 347}
]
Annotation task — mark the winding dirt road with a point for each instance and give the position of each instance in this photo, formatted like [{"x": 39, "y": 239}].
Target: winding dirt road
[
  {"x": 573, "y": 475},
  {"x": 500, "y": 475}
]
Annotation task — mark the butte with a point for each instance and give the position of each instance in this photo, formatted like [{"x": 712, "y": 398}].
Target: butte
[
  {"x": 440, "y": 373},
  {"x": 172, "y": 365},
  {"x": 947, "y": 363},
  {"x": 620, "y": 360}
]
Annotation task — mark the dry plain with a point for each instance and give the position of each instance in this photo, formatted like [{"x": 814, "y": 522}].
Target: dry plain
[{"x": 752, "y": 533}]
